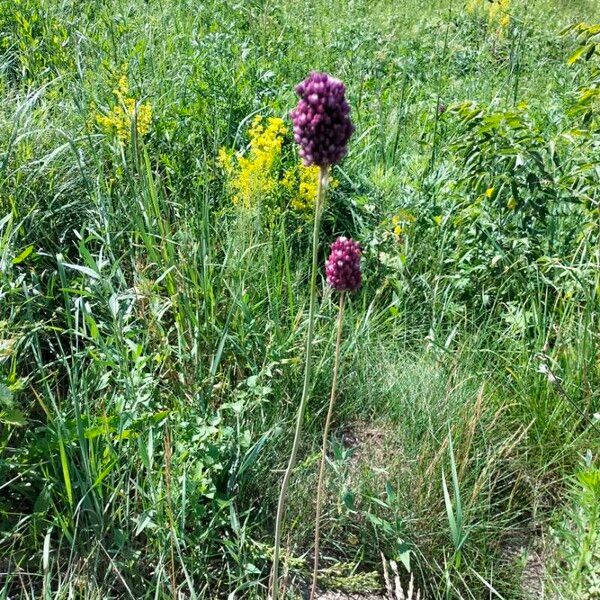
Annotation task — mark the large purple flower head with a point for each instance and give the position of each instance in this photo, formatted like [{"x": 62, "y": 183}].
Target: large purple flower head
[
  {"x": 322, "y": 125},
  {"x": 343, "y": 265}
]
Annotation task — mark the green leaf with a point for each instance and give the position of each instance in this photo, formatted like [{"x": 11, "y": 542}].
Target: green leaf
[
  {"x": 12, "y": 416},
  {"x": 5, "y": 395},
  {"x": 65, "y": 469},
  {"x": 43, "y": 501},
  {"x": 404, "y": 554},
  {"x": 144, "y": 521},
  {"x": 21, "y": 257},
  {"x": 85, "y": 270},
  {"x": 348, "y": 499},
  {"x": 449, "y": 511},
  {"x": 251, "y": 569},
  {"x": 579, "y": 53}
]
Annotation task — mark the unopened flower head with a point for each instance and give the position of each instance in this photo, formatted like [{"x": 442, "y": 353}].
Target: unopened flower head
[
  {"x": 322, "y": 125},
  {"x": 343, "y": 265}
]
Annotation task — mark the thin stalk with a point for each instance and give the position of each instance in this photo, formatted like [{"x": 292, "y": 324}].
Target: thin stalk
[
  {"x": 168, "y": 456},
  {"x": 336, "y": 365},
  {"x": 322, "y": 186}
]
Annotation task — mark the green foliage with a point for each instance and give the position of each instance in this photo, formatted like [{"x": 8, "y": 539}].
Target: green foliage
[
  {"x": 587, "y": 49},
  {"x": 454, "y": 509},
  {"x": 151, "y": 331},
  {"x": 576, "y": 573},
  {"x": 33, "y": 42},
  {"x": 344, "y": 577}
]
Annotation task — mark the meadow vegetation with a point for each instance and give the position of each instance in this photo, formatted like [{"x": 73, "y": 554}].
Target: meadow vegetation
[{"x": 155, "y": 249}]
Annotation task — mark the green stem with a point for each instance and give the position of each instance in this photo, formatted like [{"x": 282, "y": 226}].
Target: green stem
[
  {"x": 323, "y": 175},
  {"x": 336, "y": 365}
]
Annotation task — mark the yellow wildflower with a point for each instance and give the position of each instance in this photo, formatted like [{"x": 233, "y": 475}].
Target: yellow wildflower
[
  {"x": 511, "y": 204},
  {"x": 402, "y": 221},
  {"x": 493, "y": 9},
  {"x": 124, "y": 113},
  {"x": 253, "y": 175},
  {"x": 301, "y": 183},
  {"x": 489, "y": 192},
  {"x": 225, "y": 160},
  {"x": 306, "y": 190},
  {"x": 497, "y": 10}
]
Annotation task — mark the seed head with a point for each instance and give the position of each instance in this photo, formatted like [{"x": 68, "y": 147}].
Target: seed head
[
  {"x": 322, "y": 125},
  {"x": 343, "y": 265}
]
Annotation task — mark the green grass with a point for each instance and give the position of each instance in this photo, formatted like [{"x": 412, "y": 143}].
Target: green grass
[{"x": 152, "y": 332}]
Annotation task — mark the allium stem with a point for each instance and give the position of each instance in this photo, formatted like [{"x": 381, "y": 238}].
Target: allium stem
[
  {"x": 336, "y": 366},
  {"x": 322, "y": 186}
]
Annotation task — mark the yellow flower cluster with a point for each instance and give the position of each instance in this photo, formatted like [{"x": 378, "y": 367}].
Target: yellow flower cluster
[
  {"x": 125, "y": 112},
  {"x": 497, "y": 11},
  {"x": 301, "y": 183},
  {"x": 401, "y": 221},
  {"x": 258, "y": 175},
  {"x": 252, "y": 176}
]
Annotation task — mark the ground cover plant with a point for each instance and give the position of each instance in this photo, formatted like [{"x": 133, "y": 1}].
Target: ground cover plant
[{"x": 156, "y": 244}]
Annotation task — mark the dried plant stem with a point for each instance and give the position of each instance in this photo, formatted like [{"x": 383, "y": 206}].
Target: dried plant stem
[
  {"x": 336, "y": 366},
  {"x": 168, "y": 456},
  {"x": 323, "y": 176}
]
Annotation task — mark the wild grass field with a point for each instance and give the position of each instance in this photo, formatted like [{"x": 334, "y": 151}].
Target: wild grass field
[{"x": 155, "y": 253}]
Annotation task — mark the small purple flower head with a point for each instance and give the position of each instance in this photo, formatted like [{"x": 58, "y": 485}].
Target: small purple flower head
[
  {"x": 322, "y": 125},
  {"x": 343, "y": 265}
]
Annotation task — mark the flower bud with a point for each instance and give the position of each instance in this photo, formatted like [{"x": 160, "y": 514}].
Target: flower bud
[
  {"x": 343, "y": 265},
  {"x": 322, "y": 124}
]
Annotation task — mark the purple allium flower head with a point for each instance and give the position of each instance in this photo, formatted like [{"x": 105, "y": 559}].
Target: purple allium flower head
[
  {"x": 343, "y": 265},
  {"x": 322, "y": 125}
]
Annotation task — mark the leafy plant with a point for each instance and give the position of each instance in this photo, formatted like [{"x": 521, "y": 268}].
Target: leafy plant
[
  {"x": 576, "y": 573},
  {"x": 33, "y": 41},
  {"x": 454, "y": 512}
]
